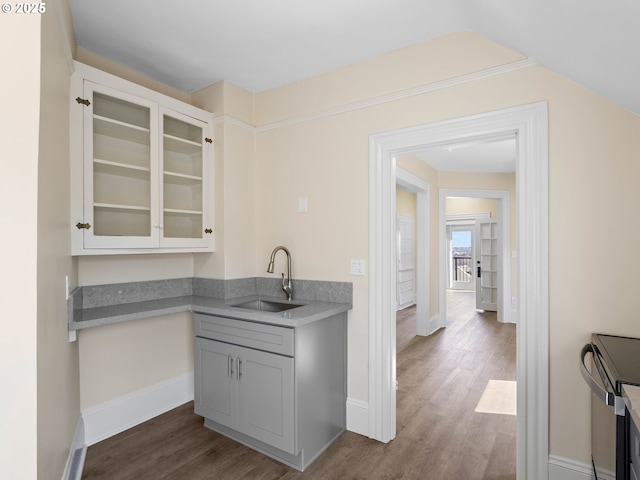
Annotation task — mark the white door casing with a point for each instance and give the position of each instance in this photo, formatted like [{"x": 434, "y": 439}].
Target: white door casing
[{"x": 530, "y": 125}]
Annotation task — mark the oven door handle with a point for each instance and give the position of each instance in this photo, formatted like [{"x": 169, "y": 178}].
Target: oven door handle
[{"x": 607, "y": 397}]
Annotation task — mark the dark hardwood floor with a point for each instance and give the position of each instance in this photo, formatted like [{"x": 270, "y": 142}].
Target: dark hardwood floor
[{"x": 439, "y": 436}]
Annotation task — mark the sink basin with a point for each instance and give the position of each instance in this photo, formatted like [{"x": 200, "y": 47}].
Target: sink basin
[{"x": 266, "y": 306}]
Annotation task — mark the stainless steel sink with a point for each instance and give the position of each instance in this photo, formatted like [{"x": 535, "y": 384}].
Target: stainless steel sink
[{"x": 266, "y": 306}]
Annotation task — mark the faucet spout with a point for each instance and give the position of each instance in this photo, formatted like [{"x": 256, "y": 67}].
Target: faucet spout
[{"x": 286, "y": 283}]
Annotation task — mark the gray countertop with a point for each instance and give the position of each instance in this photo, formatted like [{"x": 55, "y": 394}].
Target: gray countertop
[
  {"x": 96, "y": 305},
  {"x": 309, "y": 311}
]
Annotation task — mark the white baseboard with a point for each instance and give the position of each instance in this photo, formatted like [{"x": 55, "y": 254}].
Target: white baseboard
[
  {"x": 115, "y": 416},
  {"x": 566, "y": 469},
  {"x": 358, "y": 416},
  {"x": 77, "y": 453},
  {"x": 434, "y": 323}
]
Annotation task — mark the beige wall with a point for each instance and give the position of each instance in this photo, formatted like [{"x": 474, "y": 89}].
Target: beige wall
[
  {"x": 458, "y": 206},
  {"x": 39, "y": 366},
  {"x": 590, "y": 143},
  {"x": 405, "y": 202},
  {"x": 58, "y": 379},
  {"x": 19, "y": 133}
]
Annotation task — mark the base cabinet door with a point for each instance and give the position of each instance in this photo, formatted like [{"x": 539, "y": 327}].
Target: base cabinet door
[
  {"x": 215, "y": 385},
  {"x": 266, "y": 398},
  {"x": 247, "y": 390}
]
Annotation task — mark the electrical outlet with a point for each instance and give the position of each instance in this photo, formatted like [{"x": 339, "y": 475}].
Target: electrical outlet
[{"x": 357, "y": 267}]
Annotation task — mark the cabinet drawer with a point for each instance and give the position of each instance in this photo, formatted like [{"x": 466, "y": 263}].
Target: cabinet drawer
[{"x": 269, "y": 338}]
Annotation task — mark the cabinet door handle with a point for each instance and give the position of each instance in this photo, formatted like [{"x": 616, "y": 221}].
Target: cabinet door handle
[
  {"x": 229, "y": 366},
  {"x": 239, "y": 371}
]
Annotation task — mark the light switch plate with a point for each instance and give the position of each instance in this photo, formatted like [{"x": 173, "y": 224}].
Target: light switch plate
[
  {"x": 302, "y": 205},
  {"x": 357, "y": 267}
]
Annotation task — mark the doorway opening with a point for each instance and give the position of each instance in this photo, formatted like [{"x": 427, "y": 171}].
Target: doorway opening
[
  {"x": 496, "y": 285},
  {"x": 529, "y": 123}
]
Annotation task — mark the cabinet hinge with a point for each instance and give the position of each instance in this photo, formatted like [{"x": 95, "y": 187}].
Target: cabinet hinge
[
  {"x": 208, "y": 140},
  {"x": 83, "y": 101},
  {"x": 208, "y": 230},
  {"x": 80, "y": 226}
]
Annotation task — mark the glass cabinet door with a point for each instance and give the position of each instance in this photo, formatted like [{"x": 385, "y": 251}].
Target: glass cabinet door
[
  {"x": 183, "y": 195},
  {"x": 120, "y": 197}
]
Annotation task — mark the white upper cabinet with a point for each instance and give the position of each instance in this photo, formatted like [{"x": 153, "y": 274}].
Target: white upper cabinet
[{"x": 141, "y": 169}]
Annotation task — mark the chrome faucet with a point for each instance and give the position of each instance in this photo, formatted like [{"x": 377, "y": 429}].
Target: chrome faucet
[{"x": 286, "y": 284}]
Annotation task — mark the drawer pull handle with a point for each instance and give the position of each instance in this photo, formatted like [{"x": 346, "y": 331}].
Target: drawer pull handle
[{"x": 239, "y": 368}]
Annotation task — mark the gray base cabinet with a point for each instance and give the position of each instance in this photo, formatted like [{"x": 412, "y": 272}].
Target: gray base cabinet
[{"x": 279, "y": 390}]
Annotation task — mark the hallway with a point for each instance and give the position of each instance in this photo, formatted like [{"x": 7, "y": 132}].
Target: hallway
[{"x": 441, "y": 379}]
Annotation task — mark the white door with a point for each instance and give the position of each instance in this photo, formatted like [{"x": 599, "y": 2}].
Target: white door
[
  {"x": 406, "y": 261},
  {"x": 488, "y": 259},
  {"x": 461, "y": 255}
]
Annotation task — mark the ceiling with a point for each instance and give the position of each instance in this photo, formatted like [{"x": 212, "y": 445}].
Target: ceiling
[
  {"x": 259, "y": 45},
  {"x": 492, "y": 156}
]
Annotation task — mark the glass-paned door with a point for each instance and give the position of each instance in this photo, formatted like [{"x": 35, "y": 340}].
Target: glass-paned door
[
  {"x": 461, "y": 257},
  {"x": 184, "y": 196},
  {"x": 119, "y": 176}
]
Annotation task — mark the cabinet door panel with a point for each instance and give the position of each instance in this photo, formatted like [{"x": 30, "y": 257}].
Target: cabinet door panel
[
  {"x": 266, "y": 398},
  {"x": 184, "y": 194},
  {"x": 216, "y": 387},
  {"x": 119, "y": 177}
]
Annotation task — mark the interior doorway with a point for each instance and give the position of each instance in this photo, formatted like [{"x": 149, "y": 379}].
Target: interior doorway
[
  {"x": 422, "y": 190},
  {"x": 504, "y": 265},
  {"x": 529, "y": 123}
]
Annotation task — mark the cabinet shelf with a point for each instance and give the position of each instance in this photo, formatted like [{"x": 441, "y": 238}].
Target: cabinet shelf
[
  {"x": 117, "y": 129},
  {"x": 121, "y": 169},
  {"x": 181, "y": 178},
  {"x": 182, "y": 212},
  {"x": 181, "y": 145},
  {"x": 114, "y": 207}
]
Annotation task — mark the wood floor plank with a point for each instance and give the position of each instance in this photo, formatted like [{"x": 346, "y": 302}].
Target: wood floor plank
[{"x": 439, "y": 435}]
